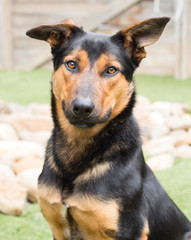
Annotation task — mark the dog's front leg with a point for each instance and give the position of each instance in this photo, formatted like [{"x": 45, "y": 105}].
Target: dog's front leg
[{"x": 54, "y": 212}]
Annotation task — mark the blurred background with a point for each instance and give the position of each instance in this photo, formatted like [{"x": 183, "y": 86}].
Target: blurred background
[
  {"x": 108, "y": 16},
  {"x": 163, "y": 107}
]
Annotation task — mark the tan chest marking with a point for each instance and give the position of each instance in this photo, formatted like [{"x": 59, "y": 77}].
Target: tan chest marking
[
  {"x": 97, "y": 171},
  {"x": 54, "y": 211},
  {"x": 94, "y": 217},
  {"x": 145, "y": 231}
]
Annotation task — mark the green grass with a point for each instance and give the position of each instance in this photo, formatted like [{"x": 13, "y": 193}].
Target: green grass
[
  {"x": 34, "y": 86},
  {"x": 164, "y": 88},
  {"x": 177, "y": 182},
  {"x": 25, "y": 87},
  {"x": 30, "y": 226}
]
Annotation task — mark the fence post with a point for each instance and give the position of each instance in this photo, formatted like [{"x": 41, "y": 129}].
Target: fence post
[
  {"x": 7, "y": 43},
  {"x": 181, "y": 70},
  {"x": 1, "y": 36}
]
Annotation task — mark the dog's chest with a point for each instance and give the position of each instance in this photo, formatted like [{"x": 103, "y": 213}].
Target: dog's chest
[{"x": 95, "y": 219}]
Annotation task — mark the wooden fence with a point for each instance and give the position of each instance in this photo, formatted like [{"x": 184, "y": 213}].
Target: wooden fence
[{"x": 170, "y": 55}]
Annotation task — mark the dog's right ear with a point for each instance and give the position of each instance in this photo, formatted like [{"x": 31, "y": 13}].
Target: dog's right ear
[{"x": 56, "y": 34}]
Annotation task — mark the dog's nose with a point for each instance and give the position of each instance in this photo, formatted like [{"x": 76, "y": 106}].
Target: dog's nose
[{"x": 82, "y": 107}]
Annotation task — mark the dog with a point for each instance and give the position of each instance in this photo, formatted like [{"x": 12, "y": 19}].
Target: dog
[{"x": 95, "y": 184}]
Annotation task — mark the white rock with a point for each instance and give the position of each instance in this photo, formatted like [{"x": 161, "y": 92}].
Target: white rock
[
  {"x": 12, "y": 196},
  {"x": 40, "y": 137},
  {"x": 26, "y": 163},
  {"x": 154, "y": 143},
  {"x": 183, "y": 151},
  {"x": 142, "y": 108},
  {"x": 156, "y": 125},
  {"x": 6, "y": 171},
  {"x": 160, "y": 162},
  {"x": 184, "y": 122},
  {"x": 19, "y": 149},
  {"x": 28, "y": 122},
  {"x": 7, "y": 160},
  {"x": 178, "y": 109},
  {"x": 160, "y": 146},
  {"x": 3, "y": 107},
  {"x": 7, "y": 132},
  {"x": 142, "y": 100},
  {"x": 143, "y": 125},
  {"x": 39, "y": 109},
  {"x": 186, "y": 108},
  {"x": 187, "y": 139},
  {"x": 29, "y": 180},
  {"x": 16, "y": 108},
  {"x": 180, "y": 137},
  {"x": 164, "y": 108}
]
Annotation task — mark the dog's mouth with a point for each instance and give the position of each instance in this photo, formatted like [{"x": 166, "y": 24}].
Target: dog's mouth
[
  {"x": 89, "y": 122},
  {"x": 81, "y": 124}
]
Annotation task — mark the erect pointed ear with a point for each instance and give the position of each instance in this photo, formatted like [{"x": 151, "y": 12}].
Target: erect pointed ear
[
  {"x": 142, "y": 34},
  {"x": 56, "y": 34}
]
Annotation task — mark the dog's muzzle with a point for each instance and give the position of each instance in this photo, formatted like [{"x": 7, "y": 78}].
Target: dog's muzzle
[{"x": 82, "y": 113}]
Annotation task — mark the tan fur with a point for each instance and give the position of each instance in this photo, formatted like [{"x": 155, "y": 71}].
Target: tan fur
[
  {"x": 140, "y": 53},
  {"x": 50, "y": 160},
  {"x": 111, "y": 90},
  {"x": 64, "y": 88},
  {"x": 54, "y": 211},
  {"x": 145, "y": 232},
  {"x": 134, "y": 53},
  {"x": 107, "y": 93},
  {"x": 49, "y": 193},
  {"x": 68, "y": 21},
  {"x": 52, "y": 165},
  {"x": 97, "y": 171},
  {"x": 88, "y": 212},
  {"x": 53, "y": 39}
]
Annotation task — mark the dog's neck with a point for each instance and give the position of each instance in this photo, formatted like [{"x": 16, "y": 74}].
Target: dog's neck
[{"x": 86, "y": 147}]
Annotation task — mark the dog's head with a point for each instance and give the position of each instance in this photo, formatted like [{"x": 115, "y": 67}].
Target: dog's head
[{"x": 92, "y": 81}]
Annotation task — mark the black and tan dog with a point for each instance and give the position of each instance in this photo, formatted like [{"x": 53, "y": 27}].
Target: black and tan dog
[{"x": 95, "y": 184}]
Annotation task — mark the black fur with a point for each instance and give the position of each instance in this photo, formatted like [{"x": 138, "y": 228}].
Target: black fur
[{"x": 129, "y": 180}]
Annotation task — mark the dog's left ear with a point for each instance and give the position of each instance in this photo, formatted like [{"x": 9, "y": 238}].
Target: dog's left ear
[
  {"x": 142, "y": 34},
  {"x": 57, "y": 35}
]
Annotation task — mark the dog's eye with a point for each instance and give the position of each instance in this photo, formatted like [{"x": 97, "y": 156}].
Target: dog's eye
[
  {"x": 71, "y": 65},
  {"x": 111, "y": 70}
]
